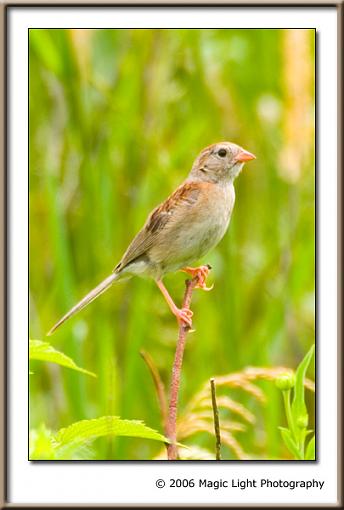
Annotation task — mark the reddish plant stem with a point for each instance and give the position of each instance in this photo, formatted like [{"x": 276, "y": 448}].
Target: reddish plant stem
[{"x": 171, "y": 425}]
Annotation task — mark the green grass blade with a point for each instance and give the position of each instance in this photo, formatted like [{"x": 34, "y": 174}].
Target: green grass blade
[
  {"x": 310, "y": 451},
  {"x": 298, "y": 407}
]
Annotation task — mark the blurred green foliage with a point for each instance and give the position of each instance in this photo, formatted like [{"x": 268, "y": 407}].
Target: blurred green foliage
[{"x": 116, "y": 120}]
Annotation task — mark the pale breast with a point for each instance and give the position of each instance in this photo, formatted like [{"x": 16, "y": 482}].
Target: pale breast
[
  {"x": 216, "y": 219},
  {"x": 196, "y": 231}
]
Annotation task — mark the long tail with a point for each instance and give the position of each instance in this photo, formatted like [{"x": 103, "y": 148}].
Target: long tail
[{"x": 102, "y": 287}]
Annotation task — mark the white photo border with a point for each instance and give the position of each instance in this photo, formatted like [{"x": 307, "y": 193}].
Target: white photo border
[{"x": 28, "y": 481}]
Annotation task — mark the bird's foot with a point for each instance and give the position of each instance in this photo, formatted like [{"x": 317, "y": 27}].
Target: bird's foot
[
  {"x": 201, "y": 273},
  {"x": 184, "y": 316}
]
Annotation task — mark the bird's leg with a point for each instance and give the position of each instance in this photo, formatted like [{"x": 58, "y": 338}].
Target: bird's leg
[
  {"x": 201, "y": 273},
  {"x": 183, "y": 315}
]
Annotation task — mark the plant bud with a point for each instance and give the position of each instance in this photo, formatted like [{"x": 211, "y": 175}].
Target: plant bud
[
  {"x": 302, "y": 421},
  {"x": 285, "y": 381}
]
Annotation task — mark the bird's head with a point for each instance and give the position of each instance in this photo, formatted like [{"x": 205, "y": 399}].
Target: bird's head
[{"x": 220, "y": 162}]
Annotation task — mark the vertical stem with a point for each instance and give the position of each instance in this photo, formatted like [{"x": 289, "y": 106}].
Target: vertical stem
[
  {"x": 298, "y": 436},
  {"x": 290, "y": 421},
  {"x": 216, "y": 419},
  {"x": 171, "y": 426}
]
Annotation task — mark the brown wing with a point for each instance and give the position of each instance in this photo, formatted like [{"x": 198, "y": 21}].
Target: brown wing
[{"x": 186, "y": 195}]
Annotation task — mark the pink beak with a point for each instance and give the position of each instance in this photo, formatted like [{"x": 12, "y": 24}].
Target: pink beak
[{"x": 245, "y": 156}]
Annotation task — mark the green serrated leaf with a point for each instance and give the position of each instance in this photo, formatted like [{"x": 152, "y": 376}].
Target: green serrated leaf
[
  {"x": 87, "y": 430},
  {"x": 290, "y": 443},
  {"x": 43, "y": 447},
  {"x": 43, "y": 351},
  {"x": 298, "y": 406},
  {"x": 310, "y": 451}
]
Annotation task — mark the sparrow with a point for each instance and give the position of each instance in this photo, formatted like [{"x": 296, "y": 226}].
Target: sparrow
[{"x": 182, "y": 229}]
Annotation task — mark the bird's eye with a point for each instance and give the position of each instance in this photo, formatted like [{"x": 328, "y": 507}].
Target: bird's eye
[{"x": 222, "y": 153}]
